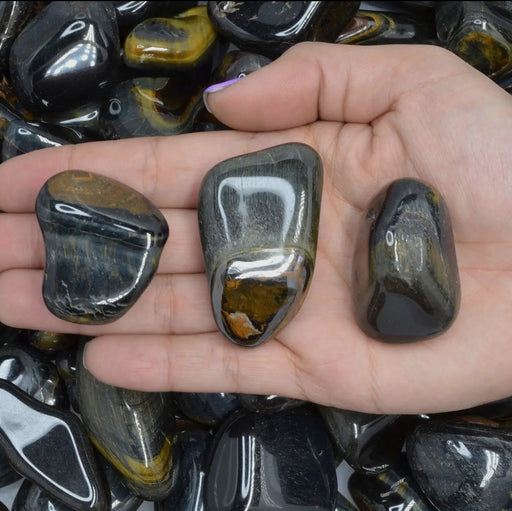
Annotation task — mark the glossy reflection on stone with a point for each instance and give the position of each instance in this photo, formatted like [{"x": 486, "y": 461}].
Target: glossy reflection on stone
[
  {"x": 112, "y": 231},
  {"x": 392, "y": 490},
  {"x": 278, "y": 461},
  {"x": 237, "y": 64},
  {"x": 168, "y": 45},
  {"x": 68, "y": 52},
  {"x": 368, "y": 27},
  {"x": 51, "y": 342},
  {"x": 33, "y": 373},
  {"x": 207, "y": 408},
  {"x": 369, "y": 443},
  {"x": 189, "y": 493},
  {"x": 21, "y": 137},
  {"x": 145, "y": 107},
  {"x": 270, "y": 28},
  {"x": 406, "y": 282},
  {"x": 258, "y": 220},
  {"x": 48, "y": 446},
  {"x": 462, "y": 464},
  {"x": 135, "y": 432}
]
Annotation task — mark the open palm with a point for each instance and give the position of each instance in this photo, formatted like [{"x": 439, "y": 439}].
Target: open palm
[{"x": 374, "y": 114}]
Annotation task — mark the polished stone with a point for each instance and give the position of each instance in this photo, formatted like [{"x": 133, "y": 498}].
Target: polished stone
[
  {"x": 189, "y": 493},
  {"x": 280, "y": 461},
  {"x": 3, "y": 507},
  {"x": 22, "y": 137},
  {"x": 65, "y": 361},
  {"x": 13, "y": 17},
  {"x": 67, "y": 52},
  {"x": 462, "y": 465},
  {"x": 163, "y": 46},
  {"x": 51, "y": 342},
  {"x": 368, "y": 27},
  {"x": 268, "y": 403},
  {"x": 237, "y": 64},
  {"x": 33, "y": 373},
  {"x": 270, "y": 28},
  {"x": 406, "y": 281},
  {"x": 145, "y": 107},
  {"x": 479, "y": 33},
  {"x": 207, "y": 408},
  {"x": 129, "y": 14},
  {"x": 48, "y": 446},
  {"x": 369, "y": 443},
  {"x": 134, "y": 431},
  {"x": 258, "y": 220},
  {"x": 393, "y": 490},
  {"x": 93, "y": 223}
]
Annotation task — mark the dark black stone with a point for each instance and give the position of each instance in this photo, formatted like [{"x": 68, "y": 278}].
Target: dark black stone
[
  {"x": 189, "y": 493},
  {"x": 369, "y": 443},
  {"x": 264, "y": 462},
  {"x": 7, "y": 474},
  {"x": 207, "y": 408},
  {"x": 22, "y": 137},
  {"x": 462, "y": 465},
  {"x": 406, "y": 281},
  {"x": 342, "y": 504},
  {"x": 268, "y": 403},
  {"x": 51, "y": 342},
  {"x": 33, "y": 373},
  {"x": 3, "y": 507},
  {"x": 115, "y": 233},
  {"x": 258, "y": 220},
  {"x": 270, "y": 28},
  {"x": 65, "y": 360},
  {"x": 134, "y": 431},
  {"x": 392, "y": 490},
  {"x": 49, "y": 447},
  {"x": 68, "y": 54}
]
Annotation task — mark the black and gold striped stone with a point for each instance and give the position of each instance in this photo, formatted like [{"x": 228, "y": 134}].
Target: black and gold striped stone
[
  {"x": 258, "y": 219},
  {"x": 103, "y": 243},
  {"x": 406, "y": 281}
]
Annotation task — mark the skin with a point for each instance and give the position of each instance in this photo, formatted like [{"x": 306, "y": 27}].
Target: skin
[{"x": 374, "y": 114}]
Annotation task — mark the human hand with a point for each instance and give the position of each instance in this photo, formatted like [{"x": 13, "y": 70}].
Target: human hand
[{"x": 374, "y": 114}]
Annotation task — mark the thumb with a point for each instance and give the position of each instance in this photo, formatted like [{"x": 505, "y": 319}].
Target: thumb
[{"x": 330, "y": 82}]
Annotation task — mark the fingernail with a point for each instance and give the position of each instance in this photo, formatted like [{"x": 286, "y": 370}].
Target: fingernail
[
  {"x": 83, "y": 356},
  {"x": 216, "y": 87}
]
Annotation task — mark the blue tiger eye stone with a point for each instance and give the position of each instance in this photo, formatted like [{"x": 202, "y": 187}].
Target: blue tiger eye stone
[
  {"x": 258, "y": 220},
  {"x": 406, "y": 280}
]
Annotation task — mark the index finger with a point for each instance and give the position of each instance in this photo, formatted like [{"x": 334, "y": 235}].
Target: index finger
[{"x": 167, "y": 170}]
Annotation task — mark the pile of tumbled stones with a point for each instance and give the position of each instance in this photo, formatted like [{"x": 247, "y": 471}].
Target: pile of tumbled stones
[{"x": 75, "y": 72}]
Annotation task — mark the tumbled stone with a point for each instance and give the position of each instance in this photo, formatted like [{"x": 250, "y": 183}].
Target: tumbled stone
[
  {"x": 392, "y": 490},
  {"x": 237, "y": 64},
  {"x": 270, "y": 28},
  {"x": 479, "y": 33},
  {"x": 207, "y": 408},
  {"x": 406, "y": 281},
  {"x": 68, "y": 52},
  {"x": 103, "y": 242},
  {"x": 33, "y": 373},
  {"x": 462, "y": 465},
  {"x": 135, "y": 432},
  {"x": 258, "y": 220},
  {"x": 48, "y": 446},
  {"x": 369, "y": 443},
  {"x": 146, "y": 107},
  {"x": 268, "y": 403},
  {"x": 374, "y": 27},
  {"x": 191, "y": 473},
  {"x": 163, "y": 46},
  {"x": 342, "y": 504},
  {"x": 266, "y": 462},
  {"x": 3, "y": 507},
  {"x": 21, "y": 137},
  {"x": 50, "y": 342}
]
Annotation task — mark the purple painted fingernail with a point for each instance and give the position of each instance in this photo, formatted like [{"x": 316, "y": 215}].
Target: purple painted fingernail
[{"x": 215, "y": 88}]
